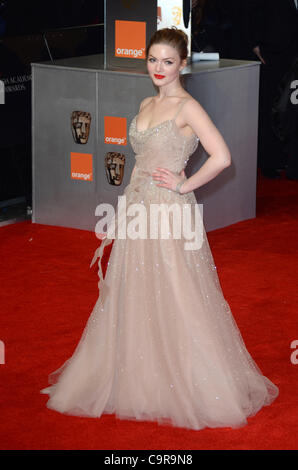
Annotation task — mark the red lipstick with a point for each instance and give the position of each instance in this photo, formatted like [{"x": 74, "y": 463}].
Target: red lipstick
[{"x": 159, "y": 77}]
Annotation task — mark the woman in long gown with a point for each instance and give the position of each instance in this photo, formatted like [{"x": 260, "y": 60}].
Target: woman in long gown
[{"x": 161, "y": 343}]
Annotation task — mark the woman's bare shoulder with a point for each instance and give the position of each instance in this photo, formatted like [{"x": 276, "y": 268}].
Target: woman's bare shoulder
[
  {"x": 192, "y": 102},
  {"x": 145, "y": 102},
  {"x": 193, "y": 107}
]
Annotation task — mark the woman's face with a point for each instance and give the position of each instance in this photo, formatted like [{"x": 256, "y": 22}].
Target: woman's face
[{"x": 164, "y": 64}]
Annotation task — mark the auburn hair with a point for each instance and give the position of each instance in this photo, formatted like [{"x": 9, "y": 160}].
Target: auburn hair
[{"x": 171, "y": 37}]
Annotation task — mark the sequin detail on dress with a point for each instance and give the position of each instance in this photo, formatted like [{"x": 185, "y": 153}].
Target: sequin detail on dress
[{"x": 161, "y": 343}]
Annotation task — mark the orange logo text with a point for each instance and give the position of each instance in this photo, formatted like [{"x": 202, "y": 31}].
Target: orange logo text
[
  {"x": 115, "y": 130},
  {"x": 81, "y": 166},
  {"x": 130, "y": 39}
]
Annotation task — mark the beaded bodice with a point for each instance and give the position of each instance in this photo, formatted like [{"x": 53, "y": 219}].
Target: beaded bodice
[{"x": 161, "y": 146}]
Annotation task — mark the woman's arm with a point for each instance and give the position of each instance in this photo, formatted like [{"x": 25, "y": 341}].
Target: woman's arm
[{"x": 195, "y": 116}]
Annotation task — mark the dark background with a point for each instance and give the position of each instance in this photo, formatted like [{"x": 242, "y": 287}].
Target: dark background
[
  {"x": 71, "y": 28},
  {"x": 75, "y": 28},
  {"x": 27, "y": 16}
]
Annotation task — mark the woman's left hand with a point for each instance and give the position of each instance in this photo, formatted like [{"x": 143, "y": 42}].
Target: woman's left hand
[{"x": 168, "y": 179}]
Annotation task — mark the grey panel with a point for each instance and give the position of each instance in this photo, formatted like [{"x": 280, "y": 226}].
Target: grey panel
[
  {"x": 118, "y": 97},
  {"x": 228, "y": 92},
  {"x": 231, "y": 100},
  {"x": 58, "y": 199}
]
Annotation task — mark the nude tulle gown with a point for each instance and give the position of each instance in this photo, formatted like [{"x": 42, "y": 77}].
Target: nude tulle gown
[{"x": 161, "y": 343}]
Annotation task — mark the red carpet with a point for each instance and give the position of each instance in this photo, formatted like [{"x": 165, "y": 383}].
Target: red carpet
[{"x": 48, "y": 292}]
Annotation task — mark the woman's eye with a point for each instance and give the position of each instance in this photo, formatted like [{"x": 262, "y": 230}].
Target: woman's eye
[{"x": 167, "y": 62}]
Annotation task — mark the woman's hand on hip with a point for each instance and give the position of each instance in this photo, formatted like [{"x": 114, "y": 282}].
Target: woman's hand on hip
[{"x": 168, "y": 179}]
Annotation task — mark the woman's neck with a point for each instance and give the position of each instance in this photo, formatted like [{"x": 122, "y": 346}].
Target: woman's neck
[{"x": 174, "y": 89}]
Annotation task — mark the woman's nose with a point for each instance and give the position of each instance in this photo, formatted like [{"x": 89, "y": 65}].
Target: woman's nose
[{"x": 158, "y": 66}]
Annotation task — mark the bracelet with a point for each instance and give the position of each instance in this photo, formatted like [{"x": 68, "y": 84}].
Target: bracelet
[{"x": 177, "y": 189}]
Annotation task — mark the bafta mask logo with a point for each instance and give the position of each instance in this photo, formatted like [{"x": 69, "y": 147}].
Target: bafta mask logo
[
  {"x": 114, "y": 166},
  {"x": 80, "y": 125},
  {"x": 176, "y": 15}
]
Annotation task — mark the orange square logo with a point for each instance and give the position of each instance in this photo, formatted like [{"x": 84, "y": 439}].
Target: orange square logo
[
  {"x": 115, "y": 130},
  {"x": 81, "y": 166},
  {"x": 130, "y": 39}
]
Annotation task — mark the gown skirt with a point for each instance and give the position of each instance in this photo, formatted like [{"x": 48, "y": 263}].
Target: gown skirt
[{"x": 161, "y": 343}]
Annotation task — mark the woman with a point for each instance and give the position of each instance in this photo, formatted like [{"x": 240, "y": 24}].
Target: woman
[{"x": 161, "y": 343}]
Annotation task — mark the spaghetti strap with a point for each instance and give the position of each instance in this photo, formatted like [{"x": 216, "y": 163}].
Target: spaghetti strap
[{"x": 180, "y": 107}]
